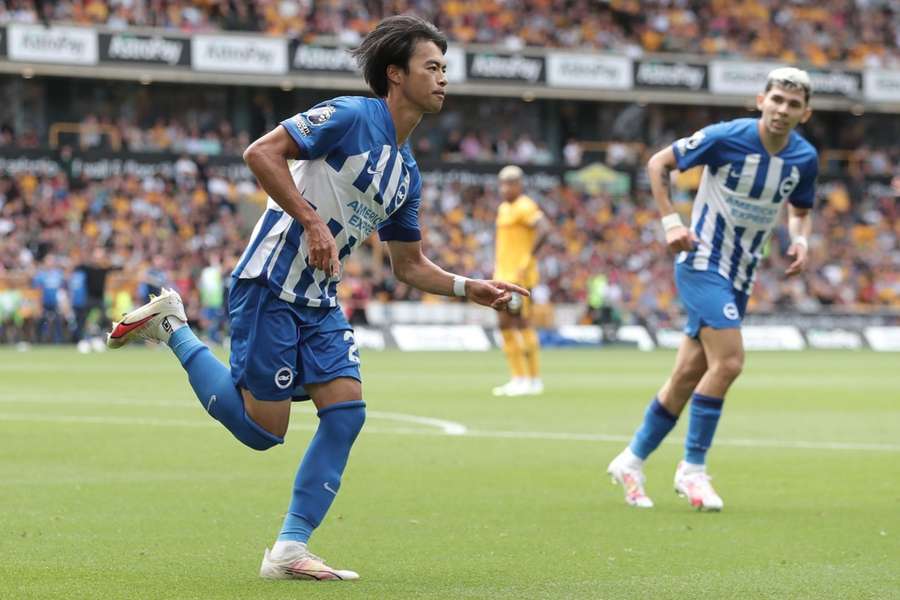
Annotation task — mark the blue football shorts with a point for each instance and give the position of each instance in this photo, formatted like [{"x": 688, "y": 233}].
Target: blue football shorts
[
  {"x": 709, "y": 300},
  {"x": 278, "y": 347}
]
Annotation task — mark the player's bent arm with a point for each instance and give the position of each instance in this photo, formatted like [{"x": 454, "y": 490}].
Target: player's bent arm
[
  {"x": 799, "y": 223},
  {"x": 799, "y": 228},
  {"x": 267, "y": 158},
  {"x": 412, "y": 267},
  {"x": 659, "y": 169},
  {"x": 544, "y": 229}
]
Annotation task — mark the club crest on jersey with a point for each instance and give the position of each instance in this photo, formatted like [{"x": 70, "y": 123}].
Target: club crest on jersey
[
  {"x": 730, "y": 311},
  {"x": 790, "y": 182},
  {"x": 318, "y": 116},
  {"x": 284, "y": 377}
]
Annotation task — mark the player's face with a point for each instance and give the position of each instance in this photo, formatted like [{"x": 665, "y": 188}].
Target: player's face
[
  {"x": 426, "y": 82},
  {"x": 782, "y": 110},
  {"x": 510, "y": 190}
]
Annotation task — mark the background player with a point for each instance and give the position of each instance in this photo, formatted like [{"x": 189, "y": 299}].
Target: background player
[
  {"x": 353, "y": 173},
  {"x": 521, "y": 231},
  {"x": 752, "y": 168}
]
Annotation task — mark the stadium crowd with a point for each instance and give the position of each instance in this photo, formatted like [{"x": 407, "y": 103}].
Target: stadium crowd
[
  {"x": 858, "y": 32},
  {"x": 62, "y": 233},
  {"x": 202, "y": 120},
  {"x": 188, "y": 230}
]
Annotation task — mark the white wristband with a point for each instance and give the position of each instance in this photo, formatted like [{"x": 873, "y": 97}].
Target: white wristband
[
  {"x": 801, "y": 240},
  {"x": 459, "y": 285},
  {"x": 671, "y": 221}
]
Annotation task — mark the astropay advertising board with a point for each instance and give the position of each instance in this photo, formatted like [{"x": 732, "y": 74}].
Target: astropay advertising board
[
  {"x": 61, "y": 45},
  {"x": 749, "y": 78},
  {"x": 595, "y": 71},
  {"x": 239, "y": 54},
  {"x": 144, "y": 49},
  {"x": 882, "y": 85}
]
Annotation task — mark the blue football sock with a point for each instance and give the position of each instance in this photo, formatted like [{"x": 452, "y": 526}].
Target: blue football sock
[
  {"x": 319, "y": 476},
  {"x": 658, "y": 422},
  {"x": 705, "y": 413},
  {"x": 217, "y": 393}
]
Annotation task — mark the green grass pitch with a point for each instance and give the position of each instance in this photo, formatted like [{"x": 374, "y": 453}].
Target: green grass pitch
[{"x": 115, "y": 484}]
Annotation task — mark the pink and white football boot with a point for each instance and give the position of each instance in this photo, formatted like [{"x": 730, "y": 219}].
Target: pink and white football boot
[
  {"x": 300, "y": 563},
  {"x": 626, "y": 470},
  {"x": 693, "y": 483}
]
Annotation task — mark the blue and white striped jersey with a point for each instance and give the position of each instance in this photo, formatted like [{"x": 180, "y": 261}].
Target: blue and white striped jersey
[
  {"x": 357, "y": 179},
  {"x": 741, "y": 194}
]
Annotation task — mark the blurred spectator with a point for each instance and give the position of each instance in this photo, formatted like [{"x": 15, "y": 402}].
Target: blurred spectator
[
  {"x": 154, "y": 279},
  {"x": 212, "y": 299},
  {"x": 87, "y": 285},
  {"x": 50, "y": 280},
  {"x": 572, "y": 153},
  {"x": 861, "y": 33}
]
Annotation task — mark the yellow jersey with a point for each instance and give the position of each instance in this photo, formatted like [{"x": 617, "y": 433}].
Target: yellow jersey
[{"x": 515, "y": 239}]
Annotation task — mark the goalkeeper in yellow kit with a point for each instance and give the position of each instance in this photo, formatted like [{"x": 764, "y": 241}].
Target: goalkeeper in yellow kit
[{"x": 521, "y": 230}]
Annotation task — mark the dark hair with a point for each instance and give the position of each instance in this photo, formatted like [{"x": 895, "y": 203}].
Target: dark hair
[{"x": 393, "y": 42}]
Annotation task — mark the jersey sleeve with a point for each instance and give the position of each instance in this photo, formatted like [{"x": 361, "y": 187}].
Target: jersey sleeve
[
  {"x": 530, "y": 213},
  {"x": 702, "y": 148},
  {"x": 321, "y": 128},
  {"x": 804, "y": 195},
  {"x": 403, "y": 224}
]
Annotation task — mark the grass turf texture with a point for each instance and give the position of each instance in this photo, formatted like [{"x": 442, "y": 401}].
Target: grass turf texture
[{"x": 115, "y": 484}]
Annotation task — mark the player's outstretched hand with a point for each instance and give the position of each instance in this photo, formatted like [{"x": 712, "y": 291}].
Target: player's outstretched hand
[
  {"x": 495, "y": 294},
  {"x": 323, "y": 253},
  {"x": 799, "y": 253},
  {"x": 680, "y": 239}
]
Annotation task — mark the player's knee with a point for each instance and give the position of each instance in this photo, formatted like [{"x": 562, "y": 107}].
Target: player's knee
[
  {"x": 255, "y": 436},
  {"x": 345, "y": 419},
  {"x": 261, "y": 444},
  {"x": 730, "y": 366}
]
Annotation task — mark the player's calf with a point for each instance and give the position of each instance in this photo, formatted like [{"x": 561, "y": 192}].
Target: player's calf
[
  {"x": 319, "y": 476},
  {"x": 163, "y": 320}
]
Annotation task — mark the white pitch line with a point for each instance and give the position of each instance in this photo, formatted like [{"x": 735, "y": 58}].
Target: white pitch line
[
  {"x": 511, "y": 435},
  {"x": 754, "y": 443},
  {"x": 448, "y": 427}
]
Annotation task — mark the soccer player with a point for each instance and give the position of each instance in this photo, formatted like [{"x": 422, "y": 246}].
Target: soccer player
[
  {"x": 521, "y": 231},
  {"x": 334, "y": 174},
  {"x": 89, "y": 294},
  {"x": 752, "y": 168}
]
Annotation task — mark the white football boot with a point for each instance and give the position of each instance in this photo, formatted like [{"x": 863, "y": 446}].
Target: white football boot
[
  {"x": 148, "y": 322},
  {"x": 514, "y": 387},
  {"x": 627, "y": 472},
  {"x": 300, "y": 563},
  {"x": 693, "y": 483},
  {"x": 535, "y": 387}
]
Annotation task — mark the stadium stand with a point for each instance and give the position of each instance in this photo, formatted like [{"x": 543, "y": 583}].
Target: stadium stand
[
  {"x": 860, "y": 33},
  {"x": 194, "y": 216}
]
